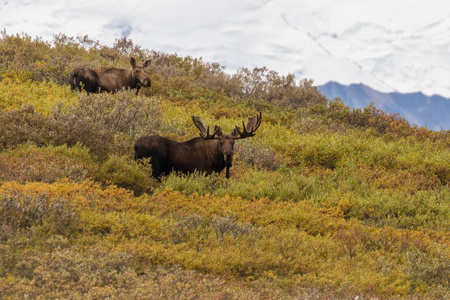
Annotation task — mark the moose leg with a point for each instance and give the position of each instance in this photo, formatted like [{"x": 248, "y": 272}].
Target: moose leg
[
  {"x": 138, "y": 87},
  {"x": 156, "y": 172},
  {"x": 227, "y": 170},
  {"x": 159, "y": 164}
]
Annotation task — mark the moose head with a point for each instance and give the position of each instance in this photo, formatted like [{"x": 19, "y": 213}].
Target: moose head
[
  {"x": 225, "y": 145},
  {"x": 138, "y": 73}
]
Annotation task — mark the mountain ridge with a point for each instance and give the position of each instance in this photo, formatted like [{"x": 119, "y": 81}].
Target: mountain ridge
[{"x": 417, "y": 108}]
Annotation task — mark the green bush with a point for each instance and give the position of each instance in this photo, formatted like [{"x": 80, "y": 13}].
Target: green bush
[
  {"x": 126, "y": 173},
  {"x": 322, "y": 150}
]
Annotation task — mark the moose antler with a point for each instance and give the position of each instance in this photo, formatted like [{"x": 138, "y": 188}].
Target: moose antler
[
  {"x": 204, "y": 133},
  {"x": 249, "y": 130}
]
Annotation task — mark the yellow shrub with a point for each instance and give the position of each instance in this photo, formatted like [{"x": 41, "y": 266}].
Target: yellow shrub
[{"x": 16, "y": 93}]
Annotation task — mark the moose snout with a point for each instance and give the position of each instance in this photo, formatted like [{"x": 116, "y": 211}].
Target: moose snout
[
  {"x": 228, "y": 155},
  {"x": 146, "y": 82}
]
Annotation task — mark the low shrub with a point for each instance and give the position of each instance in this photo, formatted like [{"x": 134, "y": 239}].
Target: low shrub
[
  {"x": 23, "y": 126},
  {"x": 54, "y": 215},
  {"x": 423, "y": 209},
  {"x": 121, "y": 112},
  {"x": 254, "y": 155},
  {"x": 103, "y": 123},
  {"x": 197, "y": 182},
  {"x": 222, "y": 226},
  {"x": 430, "y": 270},
  {"x": 26, "y": 125},
  {"x": 17, "y": 92},
  {"x": 319, "y": 150},
  {"x": 279, "y": 90},
  {"x": 27, "y": 162},
  {"x": 126, "y": 173}
]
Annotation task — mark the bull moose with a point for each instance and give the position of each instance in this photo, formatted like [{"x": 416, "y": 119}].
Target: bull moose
[
  {"x": 208, "y": 153},
  {"x": 111, "y": 80}
]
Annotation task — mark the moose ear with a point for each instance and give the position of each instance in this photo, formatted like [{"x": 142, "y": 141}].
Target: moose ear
[
  {"x": 132, "y": 61},
  {"x": 147, "y": 63}
]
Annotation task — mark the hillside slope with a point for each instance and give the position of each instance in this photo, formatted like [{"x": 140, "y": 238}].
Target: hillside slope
[
  {"x": 384, "y": 44},
  {"x": 323, "y": 202}
]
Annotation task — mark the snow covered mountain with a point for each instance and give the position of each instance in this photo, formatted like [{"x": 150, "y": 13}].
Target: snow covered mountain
[
  {"x": 390, "y": 46},
  {"x": 417, "y": 108}
]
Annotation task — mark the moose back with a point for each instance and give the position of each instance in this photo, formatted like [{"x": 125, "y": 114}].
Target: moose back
[
  {"x": 111, "y": 80},
  {"x": 208, "y": 153}
]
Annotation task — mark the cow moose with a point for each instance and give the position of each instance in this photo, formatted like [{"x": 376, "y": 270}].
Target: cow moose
[
  {"x": 110, "y": 80},
  {"x": 208, "y": 153}
]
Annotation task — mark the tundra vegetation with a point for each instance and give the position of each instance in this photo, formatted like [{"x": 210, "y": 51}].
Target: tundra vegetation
[{"x": 325, "y": 202}]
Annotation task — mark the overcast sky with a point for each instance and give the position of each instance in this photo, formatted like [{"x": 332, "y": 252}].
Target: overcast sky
[{"x": 389, "y": 45}]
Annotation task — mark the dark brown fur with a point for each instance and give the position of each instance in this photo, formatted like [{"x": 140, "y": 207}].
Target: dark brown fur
[
  {"x": 209, "y": 153},
  {"x": 195, "y": 154},
  {"x": 111, "y": 80}
]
